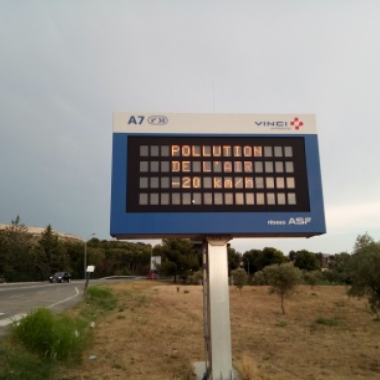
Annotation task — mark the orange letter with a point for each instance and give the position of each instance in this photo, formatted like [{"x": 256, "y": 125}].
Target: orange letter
[{"x": 176, "y": 150}]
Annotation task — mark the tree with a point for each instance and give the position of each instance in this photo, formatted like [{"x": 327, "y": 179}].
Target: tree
[
  {"x": 282, "y": 279},
  {"x": 258, "y": 260},
  {"x": 339, "y": 271},
  {"x": 363, "y": 241},
  {"x": 272, "y": 256},
  {"x": 306, "y": 260},
  {"x": 16, "y": 261},
  {"x": 240, "y": 278},
  {"x": 178, "y": 258},
  {"x": 50, "y": 254},
  {"x": 364, "y": 271},
  {"x": 234, "y": 259}
]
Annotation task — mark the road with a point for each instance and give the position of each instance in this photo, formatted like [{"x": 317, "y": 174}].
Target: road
[{"x": 19, "y": 299}]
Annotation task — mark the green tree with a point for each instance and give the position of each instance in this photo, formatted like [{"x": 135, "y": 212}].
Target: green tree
[
  {"x": 257, "y": 260},
  {"x": 234, "y": 259},
  {"x": 339, "y": 270},
  {"x": 282, "y": 279},
  {"x": 363, "y": 241},
  {"x": 306, "y": 260},
  {"x": 240, "y": 278},
  {"x": 364, "y": 271},
  {"x": 178, "y": 258},
  {"x": 272, "y": 256},
  {"x": 50, "y": 254},
  {"x": 252, "y": 258},
  {"x": 16, "y": 260}
]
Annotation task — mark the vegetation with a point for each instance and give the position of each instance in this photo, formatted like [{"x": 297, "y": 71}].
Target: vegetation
[
  {"x": 282, "y": 279},
  {"x": 178, "y": 258},
  {"x": 49, "y": 335},
  {"x": 156, "y": 333},
  {"x": 338, "y": 272},
  {"x": 23, "y": 257},
  {"x": 195, "y": 278},
  {"x": 256, "y": 260},
  {"x": 312, "y": 278},
  {"x": 364, "y": 271},
  {"x": 306, "y": 260}
]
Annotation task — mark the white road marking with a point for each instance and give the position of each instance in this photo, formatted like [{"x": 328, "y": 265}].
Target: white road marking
[
  {"x": 12, "y": 319},
  {"x": 66, "y": 299}
]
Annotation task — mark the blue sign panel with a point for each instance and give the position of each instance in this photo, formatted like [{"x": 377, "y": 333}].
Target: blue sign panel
[{"x": 189, "y": 175}]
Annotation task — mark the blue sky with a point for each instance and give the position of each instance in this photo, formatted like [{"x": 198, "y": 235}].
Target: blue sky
[{"x": 67, "y": 66}]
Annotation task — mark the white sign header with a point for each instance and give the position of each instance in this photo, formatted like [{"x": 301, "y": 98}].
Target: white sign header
[{"x": 187, "y": 123}]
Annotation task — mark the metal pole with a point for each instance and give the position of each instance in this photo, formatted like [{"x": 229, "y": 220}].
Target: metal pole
[
  {"x": 219, "y": 313},
  {"x": 85, "y": 260},
  {"x": 85, "y": 255},
  {"x": 206, "y": 310}
]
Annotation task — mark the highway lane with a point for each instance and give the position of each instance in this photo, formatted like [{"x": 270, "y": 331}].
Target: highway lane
[{"x": 17, "y": 300}]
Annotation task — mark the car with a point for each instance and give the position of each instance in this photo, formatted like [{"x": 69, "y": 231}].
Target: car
[
  {"x": 60, "y": 277},
  {"x": 151, "y": 276}
]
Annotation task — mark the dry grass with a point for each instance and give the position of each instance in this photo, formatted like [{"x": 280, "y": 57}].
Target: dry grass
[{"x": 157, "y": 333}]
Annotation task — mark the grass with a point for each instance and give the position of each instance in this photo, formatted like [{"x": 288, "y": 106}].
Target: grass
[
  {"x": 327, "y": 321},
  {"x": 323, "y": 336},
  {"x": 49, "y": 335},
  {"x": 16, "y": 363},
  {"x": 155, "y": 332}
]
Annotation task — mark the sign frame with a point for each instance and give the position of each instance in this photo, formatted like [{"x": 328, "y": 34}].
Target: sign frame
[{"x": 126, "y": 224}]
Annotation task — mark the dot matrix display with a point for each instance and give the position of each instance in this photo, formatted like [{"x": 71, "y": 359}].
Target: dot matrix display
[{"x": 204, "y": 174}]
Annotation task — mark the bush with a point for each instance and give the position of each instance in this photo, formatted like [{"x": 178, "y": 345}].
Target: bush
[
  {"x": 196, "y": 278},
  {"x": 312, "y": 278},
  {"x": 259, "y": 278},
  {"x": 240, "y": 278},
  {"x": 50, "y": 335}
]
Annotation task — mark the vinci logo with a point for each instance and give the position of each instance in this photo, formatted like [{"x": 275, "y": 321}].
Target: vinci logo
[{"x": 296, "y": 123}]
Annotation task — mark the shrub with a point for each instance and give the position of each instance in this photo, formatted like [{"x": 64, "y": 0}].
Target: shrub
[
  {"x": 240, "y": 278},
  {"x": 50, "y": 335},
  {"x": 196, "y": 278},
  {"x": 312, "y": 278},
  {"x": 259, "y": 278},
  {"x": 327, "y": 321}
]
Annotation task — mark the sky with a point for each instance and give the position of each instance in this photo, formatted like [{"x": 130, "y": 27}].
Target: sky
[{"x": 67, "y": 66}]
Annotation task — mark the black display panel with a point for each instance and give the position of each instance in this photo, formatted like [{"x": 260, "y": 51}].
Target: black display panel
[{"x": 216, "y": 174}]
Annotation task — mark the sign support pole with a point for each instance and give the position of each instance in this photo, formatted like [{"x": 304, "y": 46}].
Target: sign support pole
[{"x": 219, "y": 309}]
